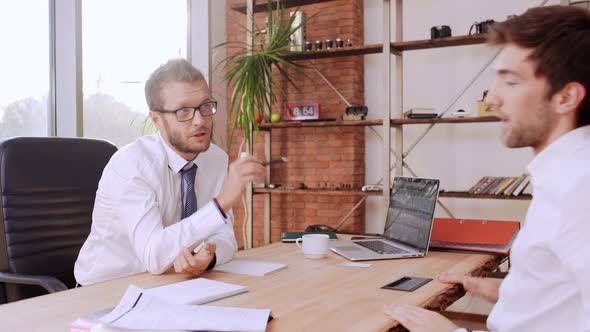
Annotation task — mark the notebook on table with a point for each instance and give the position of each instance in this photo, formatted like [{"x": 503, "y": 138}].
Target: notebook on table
[
  {"x": 195, "y": 291},
  {"x": 407, "y": 228}
]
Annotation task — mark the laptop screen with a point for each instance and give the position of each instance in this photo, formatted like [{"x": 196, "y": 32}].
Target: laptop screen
[{"x": 411, "y": 209}]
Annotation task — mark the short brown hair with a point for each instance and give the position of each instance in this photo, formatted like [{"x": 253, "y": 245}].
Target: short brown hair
[
  {"x": 560, "y": 37},
  {"x": 175, "y": 70}
]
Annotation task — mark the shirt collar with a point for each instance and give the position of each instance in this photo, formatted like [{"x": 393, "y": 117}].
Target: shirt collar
[
  {"x": 549, "y": 161},
  {"x": 175, "y": 162}
]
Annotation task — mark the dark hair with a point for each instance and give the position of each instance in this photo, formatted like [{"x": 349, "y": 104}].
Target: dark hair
[{"x": 560, "y": 37}]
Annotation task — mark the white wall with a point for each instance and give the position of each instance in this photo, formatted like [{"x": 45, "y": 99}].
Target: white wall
[
  {"x": 457, "y": 154},
  {"x": 218, "y": 85},
  {"x": 208, "y": 30}
]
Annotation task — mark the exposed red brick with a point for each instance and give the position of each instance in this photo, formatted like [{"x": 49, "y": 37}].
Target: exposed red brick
[{"x": 318, "y": 157}]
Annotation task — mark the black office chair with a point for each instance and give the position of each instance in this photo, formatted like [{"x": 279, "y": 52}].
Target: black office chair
[{"x": 47, "y": 191}]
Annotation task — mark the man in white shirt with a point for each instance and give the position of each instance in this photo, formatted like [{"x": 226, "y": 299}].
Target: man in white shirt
[
  {"x": 541, "y": 94},
  {"x": 144, "y": 215}
]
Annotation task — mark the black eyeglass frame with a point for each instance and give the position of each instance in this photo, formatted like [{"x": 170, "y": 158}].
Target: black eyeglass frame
[{"x": 194, "y": 110}]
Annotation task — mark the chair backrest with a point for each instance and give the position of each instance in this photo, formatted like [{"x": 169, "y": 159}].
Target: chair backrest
[{"x": 47, "y": 191}]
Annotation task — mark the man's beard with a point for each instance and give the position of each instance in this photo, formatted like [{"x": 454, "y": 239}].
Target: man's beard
[
  {"x": 530, "y": 134},
  {"x": 182, "y": 146}
]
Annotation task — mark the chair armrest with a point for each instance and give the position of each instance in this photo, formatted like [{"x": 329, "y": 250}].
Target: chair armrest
[{"x": 51, "y": 284}]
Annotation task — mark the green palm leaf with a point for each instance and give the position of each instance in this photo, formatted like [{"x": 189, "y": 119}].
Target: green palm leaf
[{"x": 250, "y": 71}]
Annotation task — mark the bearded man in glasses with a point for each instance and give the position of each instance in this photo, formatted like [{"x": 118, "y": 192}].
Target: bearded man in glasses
[{"x": 164, "y": 195}]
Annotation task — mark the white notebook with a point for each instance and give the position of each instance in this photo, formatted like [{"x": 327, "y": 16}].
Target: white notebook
[
  {"x": 250, "y": 267},
  {"x": 195, "y": 291}
]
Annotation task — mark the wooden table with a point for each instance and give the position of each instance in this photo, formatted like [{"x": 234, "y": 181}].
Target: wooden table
[{"x": 309, "y": 295}]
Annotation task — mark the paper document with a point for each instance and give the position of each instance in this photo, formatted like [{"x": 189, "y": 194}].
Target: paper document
[
  {"x": 195, "y": 291},
  {"x": 141, "y": 311},
  {"x": 354, "y": 264},
  {"x": 249, "y": 267}
]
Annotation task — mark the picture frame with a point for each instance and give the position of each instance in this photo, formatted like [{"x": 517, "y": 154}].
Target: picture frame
[{"x": 300, "y": 111}]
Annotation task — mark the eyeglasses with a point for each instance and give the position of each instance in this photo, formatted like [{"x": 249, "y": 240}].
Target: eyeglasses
[{"x": 188, "y": 113}]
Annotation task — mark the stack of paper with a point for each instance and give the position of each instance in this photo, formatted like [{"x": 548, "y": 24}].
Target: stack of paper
[
  {"x": 172, "y": 308},
  {"x": 138, "y": 310}
]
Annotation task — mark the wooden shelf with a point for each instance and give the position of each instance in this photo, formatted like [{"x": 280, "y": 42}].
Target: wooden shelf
[
  {"x": 261, "y": 6},
  {"x": 313, "y": 191},
  {"x": 308, "y": 124},
  {"x": 362, "y": 123},
  {"x": 474, "y": 119},
  {"x": 334, "y": 52},
  {"x": 463, "y": 194},
  {"x": 317, "y": 191},
  {"x": 437, "y": 43}
]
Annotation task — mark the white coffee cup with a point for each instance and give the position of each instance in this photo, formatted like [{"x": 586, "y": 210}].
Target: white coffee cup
[{"x": 315, "y": 246}]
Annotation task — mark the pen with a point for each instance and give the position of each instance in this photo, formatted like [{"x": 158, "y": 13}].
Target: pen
[
  {"x": 199, "y": 247},
  {"x": 275, "y": 161}
]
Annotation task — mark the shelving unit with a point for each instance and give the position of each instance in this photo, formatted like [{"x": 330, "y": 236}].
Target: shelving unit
[
  {"x": 394, "y": 47},
  {"x": 309, "y": 124},
  {"x": 476, "y": 119},
  {"x": 335, "y": 52},
  {"x": 463, "y": 194},
  {"x": 392, "y": 114},
  {"x": 394, "y": 122},
  {"x": 261, "y": 6},
  {"x": 453, "y": 194},
  {"x": 316, "y": 191},
  {"x": 424, "y": 44}
]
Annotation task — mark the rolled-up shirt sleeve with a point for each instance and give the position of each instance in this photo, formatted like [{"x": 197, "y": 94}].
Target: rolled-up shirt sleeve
[
  {"x": 224, "y": 238},
  {"x": 156, "y": 245}
]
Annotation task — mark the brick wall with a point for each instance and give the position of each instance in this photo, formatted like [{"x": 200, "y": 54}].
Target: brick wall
[{"x": 318, "y": 157}]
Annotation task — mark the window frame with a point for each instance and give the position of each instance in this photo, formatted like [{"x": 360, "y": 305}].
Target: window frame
[{"x": 65, "y": 109}]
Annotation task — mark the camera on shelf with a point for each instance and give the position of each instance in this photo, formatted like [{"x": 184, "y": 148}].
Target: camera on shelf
[
  {"x": 481, "y": 27},
  {"x": 355, "y": 113},
  {"x": 440, "y": 31}
]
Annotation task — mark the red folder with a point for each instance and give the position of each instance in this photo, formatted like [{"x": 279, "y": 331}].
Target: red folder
[{"x": 495, "y": 236}]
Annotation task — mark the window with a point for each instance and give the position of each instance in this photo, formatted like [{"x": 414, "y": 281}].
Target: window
[
  {"x": 24, "y": 68},
  {"x": 123, "y": 42}
]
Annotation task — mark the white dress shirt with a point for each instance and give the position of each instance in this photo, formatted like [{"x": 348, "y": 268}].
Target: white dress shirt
[
  {"x": 136, "y": 224},
  {"x": 548, "y": 285}
]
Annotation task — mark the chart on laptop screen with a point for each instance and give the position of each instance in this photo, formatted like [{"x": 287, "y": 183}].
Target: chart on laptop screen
[{"x": 411, "y": 208}]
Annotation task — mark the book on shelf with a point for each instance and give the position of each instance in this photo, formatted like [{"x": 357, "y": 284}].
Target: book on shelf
[
  {"x": 510, "y": 188},
  {"x": 520, "y": 188},
  {"x": 508, "y": 191},
  {"x": 482, "y": 185},
  {"x": 489, "y": 190},
  {"x": 479, "y": 183},
  {"x": 500, "y": 185},
  {"x": 487, "y": 236}
]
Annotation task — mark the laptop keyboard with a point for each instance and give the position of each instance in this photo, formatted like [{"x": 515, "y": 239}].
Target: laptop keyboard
[{"x": 381, "y": 247}]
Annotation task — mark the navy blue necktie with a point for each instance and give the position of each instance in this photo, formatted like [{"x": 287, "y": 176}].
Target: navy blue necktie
[{"x": 189, "y": 205}]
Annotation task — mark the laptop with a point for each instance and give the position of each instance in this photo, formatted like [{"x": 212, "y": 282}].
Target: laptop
[{"x": 408, "y": 226}]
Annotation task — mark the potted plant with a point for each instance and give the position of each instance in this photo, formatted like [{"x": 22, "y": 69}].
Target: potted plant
[{"x": 249, "y": 71}]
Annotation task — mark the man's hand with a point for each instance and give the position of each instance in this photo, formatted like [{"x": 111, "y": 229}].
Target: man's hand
[
  {"x": 240, "y": 173},
  {"x": 484, "y": 287},
  {"x": 195, "y": 264},
  {"x": 417, "y": 319}
]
